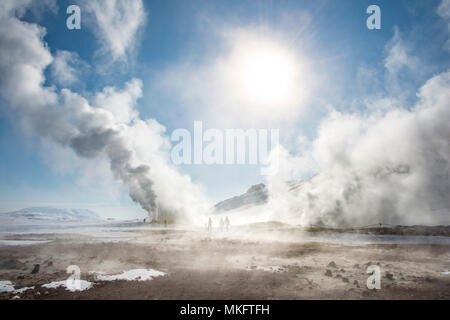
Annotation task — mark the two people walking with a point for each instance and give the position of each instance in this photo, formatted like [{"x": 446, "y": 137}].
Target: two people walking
[{"x": 223, "y": 224}]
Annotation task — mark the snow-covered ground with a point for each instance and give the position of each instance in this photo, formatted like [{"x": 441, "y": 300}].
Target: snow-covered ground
[
  {"x": 131, "y": 275},
  {"x": 21, "y": 242},
  {"x": 83, "y": 285},
  {"x": 101, "y": 229},
  {"x": 7, "y": 286},
  {"x": 32, "y": 226}
]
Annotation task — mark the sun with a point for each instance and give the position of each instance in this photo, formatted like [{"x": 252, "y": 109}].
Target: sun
[
  {"x": 266, "y": 73},
  {"x": 263, "y": 77}
]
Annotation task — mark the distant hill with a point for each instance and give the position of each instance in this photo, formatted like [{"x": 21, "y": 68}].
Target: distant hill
[
  {"x": 50, "y": 213},
  {"x": 256, "y": 195}
]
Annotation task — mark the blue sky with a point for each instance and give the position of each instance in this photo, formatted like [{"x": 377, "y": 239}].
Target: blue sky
[{"x": 349, "y": 60}]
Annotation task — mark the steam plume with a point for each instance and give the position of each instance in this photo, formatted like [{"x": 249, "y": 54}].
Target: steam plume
[
  {"x": 390, "y": 166},
  {"x": 70, "y": 120}
]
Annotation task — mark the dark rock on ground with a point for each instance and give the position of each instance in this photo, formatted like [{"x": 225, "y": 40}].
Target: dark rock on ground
[
  {"x": 35, "y": 269},
  {"x": 332, "y": 264}
]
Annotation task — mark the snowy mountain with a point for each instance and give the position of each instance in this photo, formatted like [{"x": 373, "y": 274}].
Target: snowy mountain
[
  {"x": 256, "y": 195},
  {"x": 50, "y": 213}
]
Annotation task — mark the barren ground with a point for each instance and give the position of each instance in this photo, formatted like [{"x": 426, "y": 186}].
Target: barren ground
[{"x": 228, "y": 266}]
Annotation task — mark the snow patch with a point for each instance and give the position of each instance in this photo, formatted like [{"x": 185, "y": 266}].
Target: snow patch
[
  {"x": 7, "y": 286},
  {"x": 268, "y": 268},
  {"x": 132, "y": 275},
  {"x": 22, "y": 290},
  {"x": 84, "y": 285},
  {"x": 446, "y": 272}
]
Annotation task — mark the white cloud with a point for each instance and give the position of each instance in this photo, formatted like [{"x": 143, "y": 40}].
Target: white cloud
[
  {"x": 398, "y": 55},
  {"x": 19, "y": 7},
  {"x": 67, "y": 67},
  {"x": 444, "y": 11},
  {"x": 116, "y": 24}
]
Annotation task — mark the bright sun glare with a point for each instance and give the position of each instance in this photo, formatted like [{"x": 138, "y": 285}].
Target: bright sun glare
[{"x": 267, "y": 74}]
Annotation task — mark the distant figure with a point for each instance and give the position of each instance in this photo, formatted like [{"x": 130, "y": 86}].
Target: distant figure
[
  {"x": 227, "y": 223},
  {"x": 221, "y": 223},
  {"x": 209, "y": 224}
]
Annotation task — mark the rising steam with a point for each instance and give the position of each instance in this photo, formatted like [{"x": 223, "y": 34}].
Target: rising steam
[
  {"x": 388, "y": 167},
  {"x": 107, "y": 126}
]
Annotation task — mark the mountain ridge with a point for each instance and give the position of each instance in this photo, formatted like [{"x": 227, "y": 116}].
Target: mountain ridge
[
  {"x": 52, "y": 213},
  {"x": 256, "y": 195}
]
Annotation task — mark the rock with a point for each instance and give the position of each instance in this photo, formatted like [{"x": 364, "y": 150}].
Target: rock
[
  {"x": 356, "y": 283},
  {"x": 342, "y": 270},
  {"x": 20, "y": 277},
  {"x": 50, "y": 264},
  {"x": 345, "y": 280},
  {"x": 338, "y": 276},
  {"x": 389, "y": 275},
  {"x": 356, "y": 266},
  {"x": 328, "y": 273},
  {"x": 36, "y": 268},
  {"x": 332, "y": 264}
]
